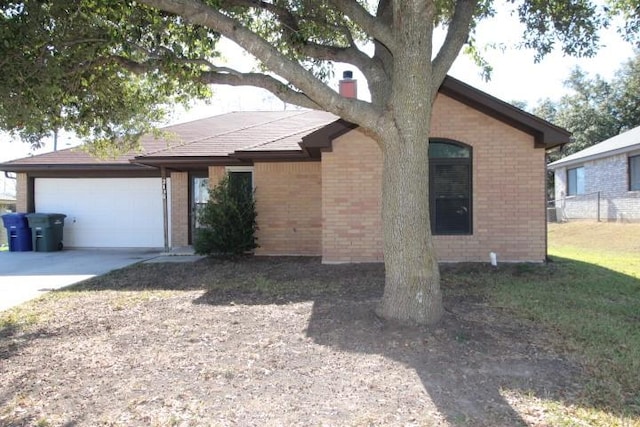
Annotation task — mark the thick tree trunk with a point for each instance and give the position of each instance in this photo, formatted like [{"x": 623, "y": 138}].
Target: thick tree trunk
[
  {"x": 412, "y": 279},
  {"x": 412, "y": 285}
]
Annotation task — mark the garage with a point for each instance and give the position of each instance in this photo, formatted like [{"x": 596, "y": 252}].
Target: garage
[{"x": 105, "y": 212}]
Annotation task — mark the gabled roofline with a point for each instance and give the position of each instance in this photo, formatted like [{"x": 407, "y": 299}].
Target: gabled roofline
[
  {"x": 320, "y": 140},
  {"x": 545, "y": 134}
]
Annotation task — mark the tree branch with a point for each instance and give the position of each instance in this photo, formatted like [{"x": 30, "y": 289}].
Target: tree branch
[
  {"x": 372, "y": 26},
  {"x": 359, "y": 112},
  {"x": 350, "y": 54},
  {"x": 264, "y": 81},
  {"x": 228, "y": 76},
  {"x": 457, "y": 35}
]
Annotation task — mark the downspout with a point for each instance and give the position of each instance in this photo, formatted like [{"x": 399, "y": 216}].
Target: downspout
[{"x": 165, "y": 208}]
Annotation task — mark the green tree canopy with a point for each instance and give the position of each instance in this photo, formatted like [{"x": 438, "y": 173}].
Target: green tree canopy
[
  {"x": 596, "y": 109},
  {"x": 75, "y": 65}
]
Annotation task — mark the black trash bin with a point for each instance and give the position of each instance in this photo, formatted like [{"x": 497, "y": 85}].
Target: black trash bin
[
  {"x": 46, "y": 231},
  {"x": 18, "y": 232}
]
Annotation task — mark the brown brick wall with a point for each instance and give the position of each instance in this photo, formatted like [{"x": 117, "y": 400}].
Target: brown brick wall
[
  {"x": 179, "y": 209},
  {"x": 288, "y": 201},
  {"x": 351, "y": 195},
  {"x": 508, "y": 188},
  {"x": 22, "y": 192},
  {"x": 508, "y": 192},
  {"x": 216, "y": 173}
]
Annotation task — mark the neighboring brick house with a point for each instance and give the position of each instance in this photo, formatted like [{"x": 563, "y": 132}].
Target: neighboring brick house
[
  {"x": 317, "y": 180},
  {"x": 600, "y": 182}
]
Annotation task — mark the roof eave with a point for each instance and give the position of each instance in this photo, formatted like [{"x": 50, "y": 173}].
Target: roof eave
[
  {"x": 321, "y": 140},
  {"x": 187, "y": 162},
  {"x": 579, "y": 160},
  {"x": 70, "y": 167},
  {"x": 273, "y": 156}
]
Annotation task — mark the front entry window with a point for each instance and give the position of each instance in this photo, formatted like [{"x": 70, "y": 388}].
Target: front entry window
[
  {"x": 240, "y": 179},
  {"x": 199, "y": 198}
]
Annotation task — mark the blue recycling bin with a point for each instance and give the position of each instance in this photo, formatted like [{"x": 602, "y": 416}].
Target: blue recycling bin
[{"x": 18, "y": 232}]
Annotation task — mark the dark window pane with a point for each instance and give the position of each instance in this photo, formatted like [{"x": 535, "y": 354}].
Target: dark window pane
[
  {"x": 241, "y": 183},
  {"x": 452, "y": 216},
  {"x": 448, "y": 151},
  {"x": 451, "y": 196}
]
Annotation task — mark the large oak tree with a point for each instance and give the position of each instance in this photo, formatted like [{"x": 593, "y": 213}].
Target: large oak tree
[{"x": 105, "y": 68}]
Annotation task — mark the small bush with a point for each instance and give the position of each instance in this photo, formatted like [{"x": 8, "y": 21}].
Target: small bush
[{"x": 229, "y": 220}]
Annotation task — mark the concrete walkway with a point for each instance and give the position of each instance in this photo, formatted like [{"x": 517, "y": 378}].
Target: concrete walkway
[{"x": 27, "y": 275}]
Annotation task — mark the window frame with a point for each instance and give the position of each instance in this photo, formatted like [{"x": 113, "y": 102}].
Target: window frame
[
  {"x": 465, "y": 161},
  {"x": 634, "y": 186},
  {"x": 577, "y": 191},
  {"x": 194, "y": 205},
  {"x": 232, "y": 169}
]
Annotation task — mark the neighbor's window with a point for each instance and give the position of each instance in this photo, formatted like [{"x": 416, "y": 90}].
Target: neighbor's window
[
  {"x": 634, "y": 173},
  {"x": 575, "y": 181},
  {"x": 450, "y": 187}
]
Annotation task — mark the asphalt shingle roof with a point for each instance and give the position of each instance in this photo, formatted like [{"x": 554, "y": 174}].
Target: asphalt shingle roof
[
  {"x": 216, "y": 136},
  {"x": 624, "y": 142}
]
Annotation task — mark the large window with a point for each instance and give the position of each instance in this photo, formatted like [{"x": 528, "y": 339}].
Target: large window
[
  {"x": 634, "y": 173},
  {"x": 575, "y": 181},
  {"x": 450, "y": 187}
]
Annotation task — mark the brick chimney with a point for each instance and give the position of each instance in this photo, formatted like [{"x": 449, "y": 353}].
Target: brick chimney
[{"x": 348, "y": 86}]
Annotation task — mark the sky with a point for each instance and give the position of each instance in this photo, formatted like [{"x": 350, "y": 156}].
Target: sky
[{"x": 515, "y": 77}]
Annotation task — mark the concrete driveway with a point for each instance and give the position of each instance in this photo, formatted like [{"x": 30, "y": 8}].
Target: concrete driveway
[{"x": 27, "y": 275}]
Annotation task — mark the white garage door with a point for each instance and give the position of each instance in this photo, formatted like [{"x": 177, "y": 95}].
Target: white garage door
[{"x": 105, "y": 212}]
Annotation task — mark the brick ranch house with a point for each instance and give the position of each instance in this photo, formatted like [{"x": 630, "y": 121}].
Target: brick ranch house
[
  {"x": 600, "y": 182},
  {"x": 317, "y": 180}
]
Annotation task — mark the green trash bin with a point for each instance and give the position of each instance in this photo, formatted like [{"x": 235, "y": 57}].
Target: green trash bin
[{"x": 46, "y": 231}]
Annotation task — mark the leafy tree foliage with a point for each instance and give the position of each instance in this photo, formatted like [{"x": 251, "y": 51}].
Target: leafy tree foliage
[
  {"x": 596, "y": 109},
  {"x": 228, "y": 219},
  {"x": 74, "y": 65},
  {"x": 100, "y": 67}
]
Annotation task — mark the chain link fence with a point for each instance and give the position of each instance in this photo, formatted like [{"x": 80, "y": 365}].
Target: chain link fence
[{"x": 595, "y": 206}]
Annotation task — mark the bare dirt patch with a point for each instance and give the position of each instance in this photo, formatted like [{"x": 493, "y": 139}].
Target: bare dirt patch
[{"x": 271, "y": 341}]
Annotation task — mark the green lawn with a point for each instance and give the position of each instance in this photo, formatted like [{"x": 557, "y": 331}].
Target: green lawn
[{"x": 591, "y": 298}]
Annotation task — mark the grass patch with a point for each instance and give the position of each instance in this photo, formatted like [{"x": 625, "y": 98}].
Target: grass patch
[
  {"x": 591, "y": 298},
  {"x": 14, "y": 320}
]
